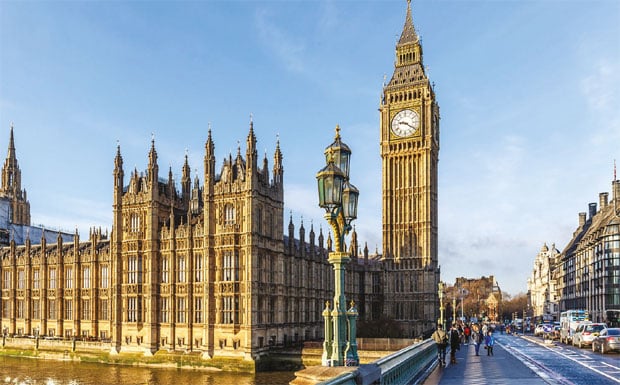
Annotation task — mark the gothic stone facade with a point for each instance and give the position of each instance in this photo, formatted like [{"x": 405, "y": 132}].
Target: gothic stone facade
[
  {"x": 207, "y": 269},
  {"x": 12, "y": 198}
]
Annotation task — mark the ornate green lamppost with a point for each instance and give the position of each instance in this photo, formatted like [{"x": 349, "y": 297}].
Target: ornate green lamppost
[{"x": 339, "y": 199}]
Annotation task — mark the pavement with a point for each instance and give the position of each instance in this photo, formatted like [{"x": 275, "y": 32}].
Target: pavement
[{"x": 502, "y": 368}]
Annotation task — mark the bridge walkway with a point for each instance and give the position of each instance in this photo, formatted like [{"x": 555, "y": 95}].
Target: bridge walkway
[{"x": 500, "y": 369}]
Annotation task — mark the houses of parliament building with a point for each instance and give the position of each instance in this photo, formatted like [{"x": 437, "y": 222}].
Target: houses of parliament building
[{"x": 209, "y": 267}]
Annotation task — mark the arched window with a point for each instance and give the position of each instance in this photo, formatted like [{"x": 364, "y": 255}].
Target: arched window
[{"x": 229, "y": 213}]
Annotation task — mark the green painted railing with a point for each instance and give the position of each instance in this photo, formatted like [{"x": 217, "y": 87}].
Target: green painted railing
[{"x": 407, "y": 366}]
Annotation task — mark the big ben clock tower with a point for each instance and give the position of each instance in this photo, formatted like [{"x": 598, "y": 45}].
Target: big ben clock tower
[{"x": 409, "y": 152}]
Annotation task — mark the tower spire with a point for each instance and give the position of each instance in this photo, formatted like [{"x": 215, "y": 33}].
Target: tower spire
[
  {"x": 11, "y": 149},
  {"x": 408, "y": 35}
]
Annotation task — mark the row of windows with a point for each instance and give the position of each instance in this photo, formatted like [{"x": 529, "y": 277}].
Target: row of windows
[
  {"x": 181, "y": 310},
  {"x": 52, "y": 278},
  {"x": 409, "y": 56},
  {"x": 134, "y": 273},
  {"x": 181, "y": 273},
  {"x": 52, "y": 309}
]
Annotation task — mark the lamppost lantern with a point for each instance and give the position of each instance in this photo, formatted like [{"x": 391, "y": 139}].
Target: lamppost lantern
[
  {"x": 339, "y": 153},
  {"x": 350, "y": 195},
  {"x": 330, "y": 181},
  {"x": 339, "y": 198}
]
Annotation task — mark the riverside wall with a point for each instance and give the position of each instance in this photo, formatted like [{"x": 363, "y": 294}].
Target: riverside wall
[{"x": 277, "y": 359}]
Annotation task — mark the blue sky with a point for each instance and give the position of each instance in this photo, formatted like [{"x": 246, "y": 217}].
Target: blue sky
[{"x": 529, "y": 93}]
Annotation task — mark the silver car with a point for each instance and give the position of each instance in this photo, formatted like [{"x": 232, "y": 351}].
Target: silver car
[
  {"x": 607, "y": 341},
  {"x": 586, "y": 332}
]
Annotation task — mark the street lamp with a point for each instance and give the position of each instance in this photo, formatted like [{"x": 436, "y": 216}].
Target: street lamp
[
  {"x": 441, "y": 307},
  {"x": 453, "y": 309},
  {"x": 339, "y": 199}
]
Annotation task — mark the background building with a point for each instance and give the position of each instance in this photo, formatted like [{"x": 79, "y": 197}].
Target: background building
[
  {"x": 477, "y": 298},
  {"x": 588, "y": 273},
  {"x": 541, "y": 286}
]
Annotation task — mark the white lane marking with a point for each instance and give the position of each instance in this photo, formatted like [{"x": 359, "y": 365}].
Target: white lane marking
[
  {"x": 611, "y": 366},
  {"x": 574, "y": 357},
  {"x": 547, "y": 375}
]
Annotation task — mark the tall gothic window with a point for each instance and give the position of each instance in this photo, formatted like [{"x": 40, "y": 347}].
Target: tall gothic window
[
  {"x": 132, "y": 309},
  {"x": 51, "y": 309},
  {"x": 227, "y": 310},
  {"x": 21, "y": 279},
  {"x": 165, "y": 310},
  {"x": 181, "y": 270},
  {"x": 105, "y": 280},
  {"x": 6, "y": 308},
  {"x": 68, "y": 278},
  {"x": 165, "y": 270},
  {"x": 68, "y": 309},
  {"x": 230, "y": 266},
  {"x": 36, "y": 309},
  {"x": 181, "y": 310},
  {"x": 86, "y": 278},
  {"x": 198, "y": 273},
  {"x": 229, "y": 213},
  {"x": 134, "y": 223},
  {"x": 6, "y": 279},
  {"x": 35, "y": 279},
  {"x": 134, "y": 269},
  {"x": 198, "y": 310},
  {"x": 103, "y": 309},
  {"x": 86, "y": 309},
  {"x": 20, "y": 308}
]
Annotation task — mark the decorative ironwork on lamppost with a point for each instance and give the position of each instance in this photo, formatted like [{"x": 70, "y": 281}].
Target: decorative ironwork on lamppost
[
  {"x": 339, "y": 199},
  {"x": 441, "y": 306}
]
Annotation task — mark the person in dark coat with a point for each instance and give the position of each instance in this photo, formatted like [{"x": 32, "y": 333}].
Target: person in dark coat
[
  {"x": 455, "y": 343},
  {"x": 478, "y": 338}
]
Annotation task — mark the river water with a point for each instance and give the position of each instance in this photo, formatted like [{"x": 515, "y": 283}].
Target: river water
[{"x": 26, "y": 371}]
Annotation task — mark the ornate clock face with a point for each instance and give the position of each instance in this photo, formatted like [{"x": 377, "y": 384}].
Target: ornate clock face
[{"x": 405, "y": 123}]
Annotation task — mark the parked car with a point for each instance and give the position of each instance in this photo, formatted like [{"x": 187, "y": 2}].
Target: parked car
[
  {"x": 607, "y": 341},
  {"x": 555, "y": 333},
  {"x": 542, "y": 329},
  {"x": 586, "y": 332}
]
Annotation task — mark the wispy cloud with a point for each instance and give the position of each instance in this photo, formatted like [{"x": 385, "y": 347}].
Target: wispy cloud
[
  {"x": 600, "y": 87},
  {"x": 285, "y": 48}
]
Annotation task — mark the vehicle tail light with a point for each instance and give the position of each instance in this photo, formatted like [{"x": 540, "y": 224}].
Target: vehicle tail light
[
  {"x": 586, "y": 333},
  {"x": 611, "y": 338}
]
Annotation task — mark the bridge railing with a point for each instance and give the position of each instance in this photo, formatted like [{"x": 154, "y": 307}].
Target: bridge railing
[{"x": 405, "y": 366}]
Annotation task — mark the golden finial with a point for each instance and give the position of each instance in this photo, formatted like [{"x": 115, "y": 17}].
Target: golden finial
[{"x": 337, "y": 131}]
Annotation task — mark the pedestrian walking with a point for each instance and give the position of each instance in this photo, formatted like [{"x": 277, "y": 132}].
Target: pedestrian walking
[
  {"x": 467, "y": 332},
  {"x": 478, "y": 339},
  {"x": 441, "y": 341},
  {"x": 455, "y": 343},
  {"x": 489, "y": 341}
]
